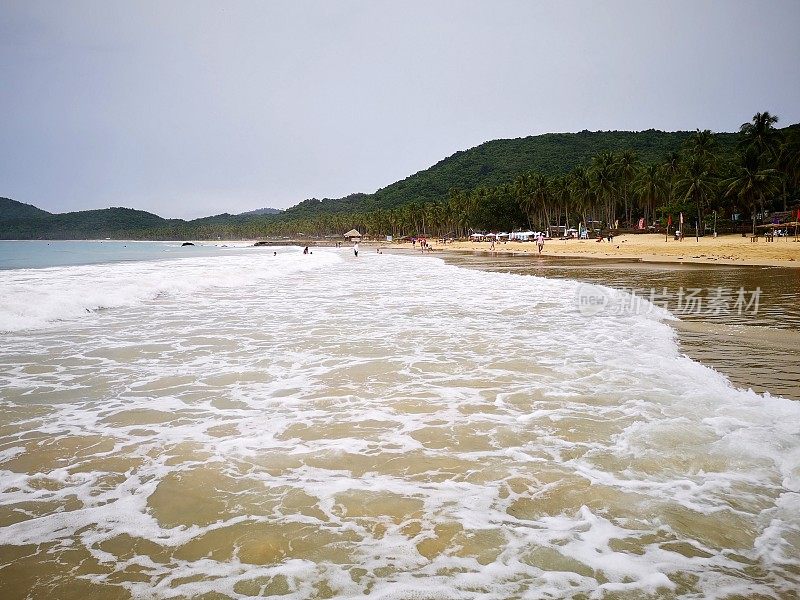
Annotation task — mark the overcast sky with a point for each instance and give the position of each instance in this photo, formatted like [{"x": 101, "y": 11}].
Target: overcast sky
[{"x": 193, "y": 108}]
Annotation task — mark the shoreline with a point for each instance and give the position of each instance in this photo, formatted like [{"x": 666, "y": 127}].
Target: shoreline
[
  {"x": 762, "y": 353},
  {"x": 728, "y": 250},
  {"x": 751, "y": 355}
]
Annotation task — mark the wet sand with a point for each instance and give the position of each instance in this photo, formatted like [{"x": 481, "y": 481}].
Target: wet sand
[
  {"x": 758, "y": 351},
  {"x": 732, "y": 249}
]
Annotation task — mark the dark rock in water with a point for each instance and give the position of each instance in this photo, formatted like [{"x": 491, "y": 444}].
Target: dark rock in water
[
  {"x": 263, "y": 244},
  {"x": 187, "y": 244}
]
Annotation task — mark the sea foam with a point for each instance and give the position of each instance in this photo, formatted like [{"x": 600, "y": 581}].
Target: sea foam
[
  {"x": 391, "y": 426},
  {"x": 36, "y": 298}
]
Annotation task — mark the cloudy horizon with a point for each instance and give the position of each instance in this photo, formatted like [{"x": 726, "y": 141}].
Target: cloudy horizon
[{"x": 190, "y": 109}]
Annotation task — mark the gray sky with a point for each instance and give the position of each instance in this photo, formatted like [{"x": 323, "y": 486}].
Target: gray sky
[{"x": 194, "y": 108}]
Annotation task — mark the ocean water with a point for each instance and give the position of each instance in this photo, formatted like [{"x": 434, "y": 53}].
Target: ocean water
[
  {"x": 314, "y": 426},
  {"x": 38, "y": 254}
]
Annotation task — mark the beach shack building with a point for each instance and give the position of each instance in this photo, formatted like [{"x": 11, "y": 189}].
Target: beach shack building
[
  {"x": 352, "y": 236},
  {"x": 522, "y": 236}
]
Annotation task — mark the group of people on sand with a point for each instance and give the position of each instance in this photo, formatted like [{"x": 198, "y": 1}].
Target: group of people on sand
[
  {"x": 423, "y": 244},
  {"x": 539, "y": 243}
]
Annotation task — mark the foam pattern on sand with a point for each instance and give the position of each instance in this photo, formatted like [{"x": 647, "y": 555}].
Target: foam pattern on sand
[{"x": 386, "y": 425}]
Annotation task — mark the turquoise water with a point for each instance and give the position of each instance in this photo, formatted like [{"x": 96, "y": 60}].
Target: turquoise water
[{"x": 39, "y": 254}]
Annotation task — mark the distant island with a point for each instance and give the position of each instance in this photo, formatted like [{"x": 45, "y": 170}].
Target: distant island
[{"x": 613, "y": 178}]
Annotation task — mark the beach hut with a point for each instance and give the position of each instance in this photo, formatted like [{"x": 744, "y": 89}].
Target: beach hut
[
  {"x": 522, "y": 236},
  {"x": 352, "y": 236}
]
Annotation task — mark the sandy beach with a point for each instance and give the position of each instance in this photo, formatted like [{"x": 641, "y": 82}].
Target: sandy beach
[{"x": 727, "y": 250}]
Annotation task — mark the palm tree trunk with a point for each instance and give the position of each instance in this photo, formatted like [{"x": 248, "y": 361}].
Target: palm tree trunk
[{"x": 784, "y": 193}]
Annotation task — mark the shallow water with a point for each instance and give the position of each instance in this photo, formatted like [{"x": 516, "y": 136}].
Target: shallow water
[
  {"x": 757, "y": 348},
  {"x": 320, "y": 426}
]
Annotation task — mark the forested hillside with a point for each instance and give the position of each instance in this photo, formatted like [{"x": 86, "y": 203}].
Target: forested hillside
[
  {"x": 501, "y": 161},
  {"x": 11, "y": 210}
]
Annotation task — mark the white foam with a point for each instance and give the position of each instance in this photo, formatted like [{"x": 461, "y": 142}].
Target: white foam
[
  {"x": 35, "y": 298},
  {"x": 493, "y": 392}
]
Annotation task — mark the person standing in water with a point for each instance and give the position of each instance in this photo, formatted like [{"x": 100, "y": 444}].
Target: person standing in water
[
  {"x": 540, "y": 242},
  {"x": 355, "y": 248}
]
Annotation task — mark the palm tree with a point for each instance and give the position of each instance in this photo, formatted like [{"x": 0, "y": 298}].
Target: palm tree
[
  {"x": 761, "y": 135},
  {"x": 562, "y": 198},
  {"x": 697, "y": 184},
  {"x": 582, "y": 192},
  {"x": 540, "y": 192},
  {"x": 752, "y": 183},
  {"x": 626, "y": 169},
  {"x": 701, "y": 144},
  {"x": 671, "y": 169},
  {"x": 604, "y": 182},
  {"x": 787, "y": 163},
  {"x": 649, "y": 187},
  {"x": 524, "y": 193}
]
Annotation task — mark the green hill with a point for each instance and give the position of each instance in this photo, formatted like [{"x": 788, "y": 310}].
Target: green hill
[
  {"x": 11, "y": 210},
  {"x": 107, "y": 222},
  {"x": 501, "y": 161}
]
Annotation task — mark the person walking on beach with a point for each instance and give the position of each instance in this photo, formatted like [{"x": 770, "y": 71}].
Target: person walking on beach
[
  {"x": 355, "y": 248},
  {"x": 540, "y": 242}
]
